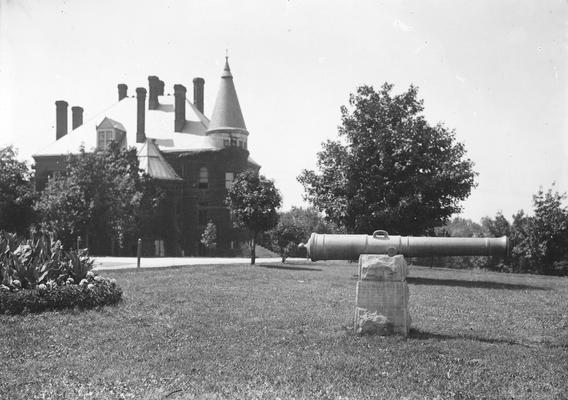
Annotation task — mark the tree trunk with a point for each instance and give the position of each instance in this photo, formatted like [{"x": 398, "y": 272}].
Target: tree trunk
[{"x": 253, "y": 249}]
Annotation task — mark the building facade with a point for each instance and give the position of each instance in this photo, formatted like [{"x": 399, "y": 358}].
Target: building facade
[{"x": 195, "y": 158}]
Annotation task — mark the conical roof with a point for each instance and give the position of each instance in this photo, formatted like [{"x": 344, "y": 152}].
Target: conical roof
[{"x": 227, "y": 115}]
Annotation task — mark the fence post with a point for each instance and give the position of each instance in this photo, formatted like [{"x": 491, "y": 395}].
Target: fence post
[
  {"x": 139, "y": 253},
  {"x": 78, "y": 242}
]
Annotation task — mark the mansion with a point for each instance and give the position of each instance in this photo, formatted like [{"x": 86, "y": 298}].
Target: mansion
[{"x": 194, "y": 157}]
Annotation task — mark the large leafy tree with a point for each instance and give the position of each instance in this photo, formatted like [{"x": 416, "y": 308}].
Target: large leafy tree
[
  {"x": 390, "y": 169},
  {"x": 253, "y": 201},
  {"x": 102, "y": 196},
  {"x": 16, "y": 193}
]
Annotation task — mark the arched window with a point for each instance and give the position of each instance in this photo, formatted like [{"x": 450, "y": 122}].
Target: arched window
[{"x": 203, "y": 178}]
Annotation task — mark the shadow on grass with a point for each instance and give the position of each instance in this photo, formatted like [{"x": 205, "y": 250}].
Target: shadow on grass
[
  {"x": 471, "y": 284},
  {"x": 288, "y": 267},
  {"x": 418, "y": 334},
  {"x": 153, "y": 269}
]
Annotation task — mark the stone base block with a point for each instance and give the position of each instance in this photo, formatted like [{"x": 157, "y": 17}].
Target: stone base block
[
  {"x": 380, "y": 267},
  {"x": 382, "y": 306}
]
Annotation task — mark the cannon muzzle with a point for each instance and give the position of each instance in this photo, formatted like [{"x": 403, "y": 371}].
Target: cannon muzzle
[{"x": 350, "y": 247}]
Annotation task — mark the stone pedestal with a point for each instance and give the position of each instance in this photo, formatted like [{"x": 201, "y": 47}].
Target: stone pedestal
[{"x": 382, "y": 295}]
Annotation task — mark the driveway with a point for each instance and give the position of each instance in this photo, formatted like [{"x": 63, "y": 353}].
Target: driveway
[{"x": 112, "y": 263}]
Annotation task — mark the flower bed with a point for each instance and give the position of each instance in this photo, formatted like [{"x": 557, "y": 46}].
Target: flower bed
[
  {"x": 94, "y": 292},
  {"x": 37, "y": 275}
]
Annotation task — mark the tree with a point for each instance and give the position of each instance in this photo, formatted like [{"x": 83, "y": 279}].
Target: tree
[
  {"x": 310, "y": 220},
  {"x": 16, "y": 193},
  {"x": 285, "y": 238},
  {"x": 496, "y": 227},
  {"x": 253, "y": 201},
  {"x": 389, "y": 169},
  {"x": 294, "y": 227},
  {"x": 103, "y": 196},
  {"x": 209, "y": 236},
  {"x": 541, "y": 241}
]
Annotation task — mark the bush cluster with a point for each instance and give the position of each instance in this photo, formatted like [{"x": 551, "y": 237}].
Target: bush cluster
[
  {"x": 37, "y": 274},
  {"x": 91, "y": 292}
]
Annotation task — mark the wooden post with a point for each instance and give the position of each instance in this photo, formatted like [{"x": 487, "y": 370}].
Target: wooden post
[
  {"x": 139, "y": 253},
  {"x": 78, "y": 242}
]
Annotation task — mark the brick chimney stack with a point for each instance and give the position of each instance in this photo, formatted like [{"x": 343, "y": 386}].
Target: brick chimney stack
[
  {"x": 76, "y": 116},
  {"x": 60, "y": 119},
  {"x": 179, "y": 93},
  {"x": 198, "y": 91},
  {"x": 161, "y": 88},
  {"x": 141, "y": 115},
  {"x": 154, "y": 86},
  {"x": 122, "y": 91}
]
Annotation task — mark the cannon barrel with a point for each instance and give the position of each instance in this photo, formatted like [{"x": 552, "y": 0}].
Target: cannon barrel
[{"x": 350, "y": 247}]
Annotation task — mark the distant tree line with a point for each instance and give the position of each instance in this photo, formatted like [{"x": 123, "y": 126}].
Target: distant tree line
[{"x": 539, "y": 241}]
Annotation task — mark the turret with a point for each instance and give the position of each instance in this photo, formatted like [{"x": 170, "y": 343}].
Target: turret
[{"x": 227, "y": 126}]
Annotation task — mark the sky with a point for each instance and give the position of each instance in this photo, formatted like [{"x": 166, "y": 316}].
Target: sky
[{"x": 493, "y": 71}]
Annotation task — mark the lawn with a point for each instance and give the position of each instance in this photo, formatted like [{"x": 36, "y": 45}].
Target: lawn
[{"x": 270, "y": 332}]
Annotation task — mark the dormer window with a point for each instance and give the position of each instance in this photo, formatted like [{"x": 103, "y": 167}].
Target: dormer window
[
  {"x": 109, "y": 131},
  {"x": 105, "y": 137}
]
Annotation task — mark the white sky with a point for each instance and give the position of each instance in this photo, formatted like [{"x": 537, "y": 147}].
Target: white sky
[{"x": 495, "y": 71}]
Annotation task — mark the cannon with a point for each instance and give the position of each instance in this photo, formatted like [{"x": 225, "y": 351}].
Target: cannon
[{"x": 350, "y": 247}]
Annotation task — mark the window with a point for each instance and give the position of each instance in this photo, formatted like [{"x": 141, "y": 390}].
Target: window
[
  {"x": 229, "y": 178},
  {"x": 233, "y": 142},
  {"x": 203, "y": 178},
  {"x": 105, "y": 137},
  {"x": 226, "y": 142},
  {"x": 159, "y": 248}
]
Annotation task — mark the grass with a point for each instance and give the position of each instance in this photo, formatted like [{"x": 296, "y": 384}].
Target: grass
[{"x": 270, "y": 332}]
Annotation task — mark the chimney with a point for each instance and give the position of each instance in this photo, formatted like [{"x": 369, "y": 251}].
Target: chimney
[
  {"x": 122, "y": 91},
  {"x": 154, "y": 85},
  {"x": 60, "y": 119},
  {"x": 141, "y": 117},
  {"x": 198, "y": 84},
  {"x": 161, "y": 88},
  {"x": 77, "y": 116},
  {"x": 179, "y": 93}
]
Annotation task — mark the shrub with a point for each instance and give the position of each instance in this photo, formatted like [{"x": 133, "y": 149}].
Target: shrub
[
  {"x": 38, "y": 260},
  {"x": 285, "y": 237},
  {"x": 37, "y": 274}
]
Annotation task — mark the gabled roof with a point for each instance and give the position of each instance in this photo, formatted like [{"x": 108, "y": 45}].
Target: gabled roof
[
  {"x": 111, "y": 123},
  {"x": 227, "y": 115},
  {"x": 151, "y": 160}
]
